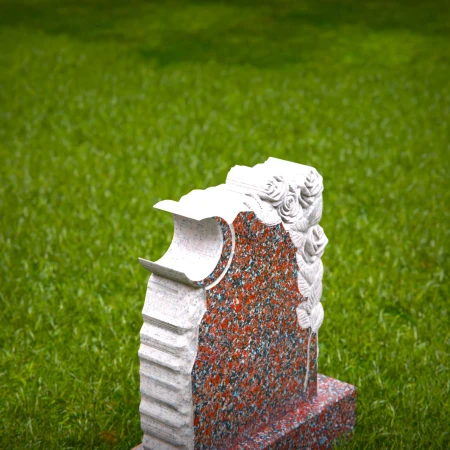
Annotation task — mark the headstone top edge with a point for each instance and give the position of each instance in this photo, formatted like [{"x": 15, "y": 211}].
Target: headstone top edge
[{"x": 243, "y": 185}]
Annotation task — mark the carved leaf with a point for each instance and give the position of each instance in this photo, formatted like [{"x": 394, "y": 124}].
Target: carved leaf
[
  {"x": 297, "y": 237},
  {"x": 308, "y": 306},
  {"x": 319, "y": 273},
  {"x": 309, "y": 271},
  {"x": 317, "y": 315},
  {"x": 303, "y": 286},
  {"x": 315, "y": 293},
  {"x": 315, "y": 212},
  {"x": 303, "y": 318},
  {"x": 312, "y": 186},
  {"x": 301, "y": 225},
  {"x": 319, "y": 290}
]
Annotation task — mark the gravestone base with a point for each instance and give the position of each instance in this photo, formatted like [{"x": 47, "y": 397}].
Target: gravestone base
[{"x": 314, "y": 425}]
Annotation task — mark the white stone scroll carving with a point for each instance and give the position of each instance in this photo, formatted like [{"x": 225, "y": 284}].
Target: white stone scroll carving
[{"x": 277, "y": 191}]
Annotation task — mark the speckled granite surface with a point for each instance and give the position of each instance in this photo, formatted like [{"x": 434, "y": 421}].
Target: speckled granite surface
[
  {"x": 312, "y": 425},
  {"x": 252, "y": 353}
]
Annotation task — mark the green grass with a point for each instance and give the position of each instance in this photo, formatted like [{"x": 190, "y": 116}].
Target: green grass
[{"x": 107, "y": 107}]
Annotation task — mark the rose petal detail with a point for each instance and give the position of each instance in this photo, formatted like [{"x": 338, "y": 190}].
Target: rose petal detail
[
  {"x": 289, "y": 209},
  {"x": 315, "y": 244},
  {"x": 275, "y": 190}
]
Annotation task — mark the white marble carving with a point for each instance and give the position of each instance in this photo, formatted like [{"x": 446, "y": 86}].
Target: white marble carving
[
  {"x": 277, "y": 191},
  {"x": 295, "y": 192}
]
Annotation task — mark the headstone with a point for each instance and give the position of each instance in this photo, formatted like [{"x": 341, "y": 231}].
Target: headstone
[{"x": 229, "y": 345}]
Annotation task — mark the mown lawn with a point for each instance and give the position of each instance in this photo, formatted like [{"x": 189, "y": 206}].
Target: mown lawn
[{"x": 107, "y": 107}]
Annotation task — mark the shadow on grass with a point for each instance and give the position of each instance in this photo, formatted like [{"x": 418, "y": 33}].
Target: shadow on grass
[{"x": 234, "y": 32}]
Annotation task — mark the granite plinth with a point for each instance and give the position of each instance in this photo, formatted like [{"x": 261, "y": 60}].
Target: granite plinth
[{"x": 314, "y": 425}]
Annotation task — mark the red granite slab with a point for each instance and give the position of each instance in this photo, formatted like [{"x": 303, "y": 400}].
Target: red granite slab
[
  {"x": 311, "y": 425},
  {"x": 252, "y": 353}
]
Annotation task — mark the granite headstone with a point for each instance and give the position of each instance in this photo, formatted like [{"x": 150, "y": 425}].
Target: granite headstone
[{"x": 229, "y": 345}]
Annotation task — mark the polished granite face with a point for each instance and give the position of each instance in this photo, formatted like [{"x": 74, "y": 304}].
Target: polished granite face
[
  {"x": 312, "y": 425},
  {"x": 252, "y": 354}
]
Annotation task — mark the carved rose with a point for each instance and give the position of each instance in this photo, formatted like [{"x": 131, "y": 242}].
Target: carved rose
[
  {"x": 311, "y": 188},
  {"x": 315, "y": 243},
  {"x": 290, "y": 210},
  {"x": 275, "y": 190}
]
